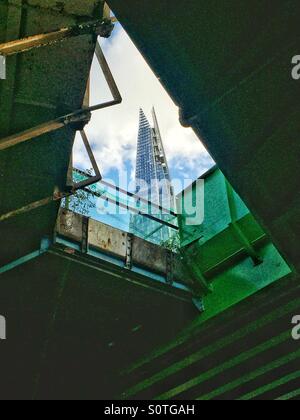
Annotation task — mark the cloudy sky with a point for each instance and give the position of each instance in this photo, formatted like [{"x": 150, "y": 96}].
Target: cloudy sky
[{"x": 113, "y": 132}]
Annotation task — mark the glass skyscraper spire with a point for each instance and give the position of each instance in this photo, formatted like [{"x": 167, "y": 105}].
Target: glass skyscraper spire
[{"x": 152, "y": 179}]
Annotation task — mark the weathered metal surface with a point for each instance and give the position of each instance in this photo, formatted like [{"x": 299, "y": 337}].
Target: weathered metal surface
[
  {"x": 108, "y": 239},
  {"x": 143, "y": 254},
  {"x": 147, "y": 254},
  {"x": 69, "y": 224}
]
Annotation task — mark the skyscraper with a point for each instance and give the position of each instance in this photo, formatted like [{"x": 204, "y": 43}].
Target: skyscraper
[{"x": 152, "y": 180}]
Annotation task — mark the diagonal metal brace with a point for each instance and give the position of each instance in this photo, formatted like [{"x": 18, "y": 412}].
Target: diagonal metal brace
[{"x": 93, "y": 179}]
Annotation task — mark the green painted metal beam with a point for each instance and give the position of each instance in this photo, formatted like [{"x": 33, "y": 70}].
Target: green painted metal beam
[
  {"x": 241, "y": 334},
  {"x": 259, "y": 372},
  {"x": 270, "y": 387}
]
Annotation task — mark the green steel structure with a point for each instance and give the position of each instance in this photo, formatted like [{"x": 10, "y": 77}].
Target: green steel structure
[{"x": 95, "y": 313}]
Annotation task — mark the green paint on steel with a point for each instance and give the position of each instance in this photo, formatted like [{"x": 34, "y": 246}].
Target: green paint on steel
[
  {"x": 229, "y": 249},
  {"x": 225, "y": 366},
  {"x": 289, "y": 396},
  {"x": 253, "y": 375},
  {"x": 243, "y": 280},
  {"x": 270, "y": 387},
  {"x": 213, "y": 348}
]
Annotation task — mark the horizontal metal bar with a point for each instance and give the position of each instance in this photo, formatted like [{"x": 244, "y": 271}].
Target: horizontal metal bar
[
  {"x": 131, "y": 209},
  {"x": 57, "y": 196},
  {"x": 49, "y": 127},
  {"x": 131, "y": 195},
  {"x": 49, "y": 38},
  {"x": 30, "y": 207}
]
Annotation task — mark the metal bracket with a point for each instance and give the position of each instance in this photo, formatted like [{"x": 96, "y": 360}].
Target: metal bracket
[{"x": 129, "y": 243}]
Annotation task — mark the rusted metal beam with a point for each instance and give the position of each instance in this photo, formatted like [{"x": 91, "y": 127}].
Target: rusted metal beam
[
  {"x": 83, "y": 116},
  {"x": 26, "y": 209},
  {"x": 99, "y": 27}
]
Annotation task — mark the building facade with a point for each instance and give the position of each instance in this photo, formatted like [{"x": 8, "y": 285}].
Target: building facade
[{"x": 153, "y": 181}]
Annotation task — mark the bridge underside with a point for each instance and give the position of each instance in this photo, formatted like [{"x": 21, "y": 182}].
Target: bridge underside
[
  {"x": 74, "y": 326},
  {"x": 75, "y": 321},
  {"x": 227, "y": 65}
]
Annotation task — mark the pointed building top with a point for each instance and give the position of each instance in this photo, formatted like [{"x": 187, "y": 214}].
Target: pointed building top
[
  {"x": 143, "y": 118},
  {"x": 142, "y": 114}
]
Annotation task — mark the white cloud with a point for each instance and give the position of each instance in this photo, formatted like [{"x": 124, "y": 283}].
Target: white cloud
[{"x": 113, "y": 131}]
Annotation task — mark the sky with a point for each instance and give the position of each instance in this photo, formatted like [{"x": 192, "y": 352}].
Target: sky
[{"x": 113, "y": 132}]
